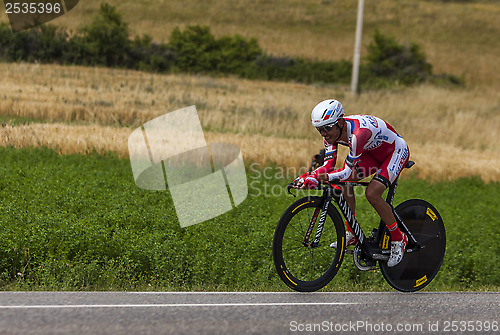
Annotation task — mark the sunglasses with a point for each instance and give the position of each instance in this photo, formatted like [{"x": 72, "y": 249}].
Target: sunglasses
[{"x": 324, "y": 128}]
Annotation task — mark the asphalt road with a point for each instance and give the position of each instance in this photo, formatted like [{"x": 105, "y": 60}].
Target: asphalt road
[{"x": 248, "y": 313}]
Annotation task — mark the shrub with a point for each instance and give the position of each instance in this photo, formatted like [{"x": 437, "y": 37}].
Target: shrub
[
  {"x": 302, "y": 70},
  {"x": 15, "y": 47},
  {"x": 193, "y": 48},
  {"x": 197, "y": 50},
  {"x": 403, "y": 63},
  {"x": 51, "y": 43},
  {"x": 146, "y": 55},
  {"x": 107, "y": 37},
  {"x": 235, "y": 54}
]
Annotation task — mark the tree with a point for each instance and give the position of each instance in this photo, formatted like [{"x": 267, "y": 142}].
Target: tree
[
  {"x": 107, "y": 37},
  {"x": 388, "y": 59}
]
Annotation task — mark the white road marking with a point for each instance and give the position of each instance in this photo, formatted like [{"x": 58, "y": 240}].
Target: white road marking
[
  {"x": 180, "y": 305},
  {"x": 296, "y": 293}
]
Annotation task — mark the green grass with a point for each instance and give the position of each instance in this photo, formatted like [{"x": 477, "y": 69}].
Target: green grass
[
  {"x": 18, "y": 120},
  {"x": 78, "y": 222}
]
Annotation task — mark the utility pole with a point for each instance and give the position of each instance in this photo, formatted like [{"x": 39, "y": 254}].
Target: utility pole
[{"x": 357, "y": 48}]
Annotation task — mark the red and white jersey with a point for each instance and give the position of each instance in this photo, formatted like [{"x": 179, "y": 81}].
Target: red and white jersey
[{"x": 367, "y": 135}]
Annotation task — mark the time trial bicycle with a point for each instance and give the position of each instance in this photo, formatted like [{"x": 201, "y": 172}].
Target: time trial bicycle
[{"x": 305, "y": 261}]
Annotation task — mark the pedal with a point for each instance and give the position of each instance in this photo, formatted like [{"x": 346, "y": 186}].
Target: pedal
[
  {"x": 349, "y": 251},
  {"x": 362, "y": 264}
]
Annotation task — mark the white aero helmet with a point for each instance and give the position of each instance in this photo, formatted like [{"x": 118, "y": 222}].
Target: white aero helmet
[{"x": 327, "y": 112}]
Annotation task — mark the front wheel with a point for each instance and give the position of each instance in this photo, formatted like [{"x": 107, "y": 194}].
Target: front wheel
[
  {"x": 301, "y": 264},
  {"x": 419, "y": 267}
]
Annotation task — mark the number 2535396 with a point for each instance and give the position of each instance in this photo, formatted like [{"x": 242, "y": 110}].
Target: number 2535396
[
  {"x": 470, "y": 326},
  {"x": 32, "y": 8}
]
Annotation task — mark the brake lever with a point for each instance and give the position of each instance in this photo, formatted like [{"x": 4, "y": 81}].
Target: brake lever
[{"x": 289, "y": 187}]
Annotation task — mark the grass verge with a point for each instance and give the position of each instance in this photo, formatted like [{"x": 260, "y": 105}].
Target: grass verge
[{"x": 78, "y": 222}]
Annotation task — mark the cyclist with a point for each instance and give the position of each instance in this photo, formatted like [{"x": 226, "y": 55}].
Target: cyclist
[{"x": 375, "y": 147}]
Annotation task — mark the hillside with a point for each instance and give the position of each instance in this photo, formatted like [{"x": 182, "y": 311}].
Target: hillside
[{"x": 459, "y": 38}]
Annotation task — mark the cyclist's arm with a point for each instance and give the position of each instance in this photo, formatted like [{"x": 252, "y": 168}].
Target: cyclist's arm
[
  {"x": 330, "y": 160},
  {"x": 358, "y": 141}
]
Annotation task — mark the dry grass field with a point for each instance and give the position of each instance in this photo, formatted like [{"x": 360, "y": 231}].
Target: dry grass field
[{"x": 452, "y": 132}]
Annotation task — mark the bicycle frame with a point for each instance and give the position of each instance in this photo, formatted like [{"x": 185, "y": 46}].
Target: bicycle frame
[{"x": 370, "y": 246}]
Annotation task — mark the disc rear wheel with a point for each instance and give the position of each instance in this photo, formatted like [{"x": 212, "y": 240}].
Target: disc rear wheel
[{"x": 419, "y": 267}]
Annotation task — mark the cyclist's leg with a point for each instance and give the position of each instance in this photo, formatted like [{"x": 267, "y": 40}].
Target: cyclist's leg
[
  {"x": 365, "y": 166},
  {"x": 348, "y": 194},
  {"x": 374, "y": 193},
  {"x": 389, "y": 170},
  {"x": 348, "y": 191},
  {"x": 368, "y": 165},
  {"x": 387, "y": 174}
]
